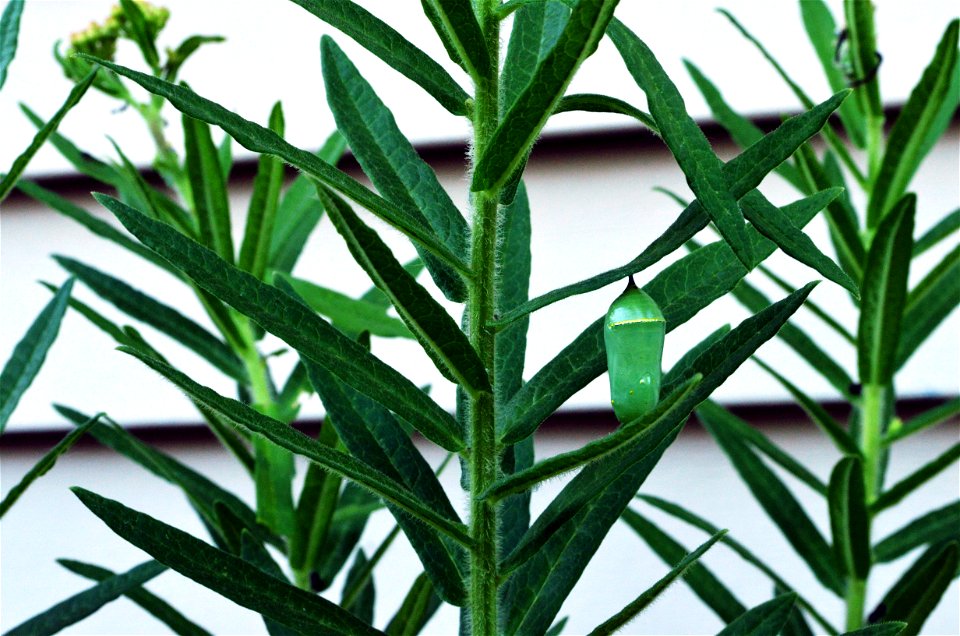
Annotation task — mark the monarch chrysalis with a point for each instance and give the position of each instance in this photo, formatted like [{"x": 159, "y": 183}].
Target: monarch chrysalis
[{"x": 633, "y": 334}]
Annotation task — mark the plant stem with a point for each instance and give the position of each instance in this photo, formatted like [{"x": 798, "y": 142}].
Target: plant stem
[
  {"x": 856, "y": 599},
  {"x": 483, "y": 452},
  {"x": 871, "y": 434}
]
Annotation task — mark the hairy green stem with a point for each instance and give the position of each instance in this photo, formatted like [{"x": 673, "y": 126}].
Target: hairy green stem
[{"x": 483, "y": 451}]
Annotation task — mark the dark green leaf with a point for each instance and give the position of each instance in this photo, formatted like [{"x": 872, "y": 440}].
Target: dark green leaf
[
  {"x": 152, "y": 603},
  {"x": 9, "y": 31},
  {"x": 438, "y": 334},
  {"x": 914, "y": 480},
  {"x": 45, "y": 464},
  {"x": 942, "y": 524},
  {"x": 593, "y": 103},
  {"x": 774, "y": 497},
  {"x": 230, "y": 576},
  {"x": 29, "y": 353},
  {"x": 687, "y": 143},
  {"x": 905, "y": 145},
  {"x": 273, "y": 476},
  {"x": 392, "y": 164},
  {"x": 928, "y": 305},
  {"x": 880, "y": 629},
  {"x": 643, "y": 601},
  {"x": 929, "y": 418},
  {"x": 362, "y": 608},
  {"x": 262, "y": 212},
  {"x": 207, "y": 188},
  {"x": 296, "y": 324},
  {"x": 344, "y": 533},
  {"x": 513, "y": 263},
  {"x": 262, "y": 140},
  {"x": 519, "y": 128},
  {"x": 463, "y": 32},
  {"x": 418, "y": 606},
  {"x": 10, "y": 179},
  {"x": 918, "y": 592},
  {"x": 945, "y": 228},
  {"x": 849, "y": 518},
  {"x": 701, "y": 580},
  {"x": 766, "y": 619},
  {"x": 884, "y": 293},
  {"x": 863, "y": 58},
  {"x": 536, "y": 28}
]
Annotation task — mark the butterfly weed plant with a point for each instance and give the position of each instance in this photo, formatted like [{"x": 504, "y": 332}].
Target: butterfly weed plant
[{"x": 507, "y": 572}]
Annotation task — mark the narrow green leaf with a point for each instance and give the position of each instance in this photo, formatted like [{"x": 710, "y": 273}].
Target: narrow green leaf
[
  {"x": 743, "y": 173},
  {"x": 797, "y": 624},
  {"x": 884, "y": 293},
  {"x": 670, "y": 411},
  {"x": 775, "y": 498},
  {"x": 262, "y": 211},
  {"x": 593, "y": 103},
  {"x": 343, "y": 534},
  {"x": 687, "y": 143},
  {"x": 362, "y": 608},
  {"x": 840, "y": 436},
  {"x": 156, "y": 606},
  {"x": 273, "y": 477},
  {"x": 513, "y": 262},
  {"x": 942, "y": 524},
  {"x": 9, "y": 31},
  {"x": 849, "y": 518},
  {"x": 880, "y": 629},
  {"x": 10, "y": 179},
  {"x": 29, "y": 353},
  {"x": 536, "y": 28},
  {"x": 418, "y": 606},
  {"x": 945, "y": 228},
  {"x": 207, "y": 189},
  {"x": 82, "y": 605},
  {"x": 289, "y": 438},
  {"x": 932, "y": 417},
  {"x": 316, "y": 505},
  {"x": 643, "y": 601},
  {"x": 296, "y": 324},
  {"x": 905, "y": 145},
  {"x": 45, "y": 464},
  {"x": 391, "y": 162},
  {"x": 777, "y": 226},
  {"x": 929, "y": 304},
  {"x": 822, "y": 31},
  {"x": 521, "y": 125},
  {"x": 766, "y": 619},
  {"x": 350, "y": 315},
  {"x": 914, "y": 480},
  {"x": 176, "y": 57},
  {"x": 863, "y": 57},
  {"x": 386, "y": 43},
  {"x": 918, "y": 592},
  {"x": 230, "y": 576},
  {"x": 164, "y": 318},
  {"x": 701, "y": 580},
  {"x": 438, "y": 334},
  {"x": 262, "y": 140},
  {"x": 464, "y": 33},
  {"x": 136, "y": 26}
]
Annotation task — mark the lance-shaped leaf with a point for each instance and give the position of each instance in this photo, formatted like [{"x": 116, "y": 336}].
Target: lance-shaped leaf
[
  {"x": 593, "y": 103},
  {"x": 518, "y": 130},
  {"x": 29, "y": 353},
  {"x": 743, "y": 173},
  {"x": 273, "y": 472},
  {"x": 207, "y": 189},
  {"x": 914, "y": 480},
  {"x": 296, "y": 324},
  {"x": 156, "y": 606},
  {"x": 9, "y": 31},
  {"x": 418, "y": 606},
  {"x": 10, "y": 179},
  {"x": 884, "y": 293},
  {"x": 373, "y": 435},
  {"x": 766, "y": 619},
  {"x": 438, "y": 334},
  {"x": 918, "y": 592},
  {"x": 942, "y": 524},
  {"x": 778, "y": 227},
  {"x": 45, "y": 464},
  {"x": 700, "y": 579},
  {"x": 686, "y": 141},
  {"x": 140, "y": 194},
  {"x": 296, "y": 442},
  {"x": 463, "y": 32},
  {"x": 391, "y": 162},
  {"x": 929, "y": 304},
  {"x": 905, "y": 145},
  {"x": 774, "y": 497},
  {"x": 849, "y": 518},
  {"x": 82, "y": 605},
  {"x": 230, "y": 576},
  {"x": 386, "y": 43},
  {"x": 262, "y": 140},
  {"x": 944, "y": 228},
  {"x": 880, "y": 629},
  {"x": 158, "y": 315},
  {"x": 643, "y": 601},
  {"x": 262, "y": 211},
  {"x": 932, "y": 417}
]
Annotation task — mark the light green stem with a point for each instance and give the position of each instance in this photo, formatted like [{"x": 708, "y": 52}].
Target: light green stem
[
  {"x": 856, "y": 600},
  {"x": 871, "y": 435}
]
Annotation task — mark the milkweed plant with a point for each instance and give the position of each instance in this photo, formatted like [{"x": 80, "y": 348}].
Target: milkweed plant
[{"x": 507, "y": 571}]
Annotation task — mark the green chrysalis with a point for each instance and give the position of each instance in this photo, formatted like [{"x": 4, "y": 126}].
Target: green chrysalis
[{"x": 633, "y": 334}]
